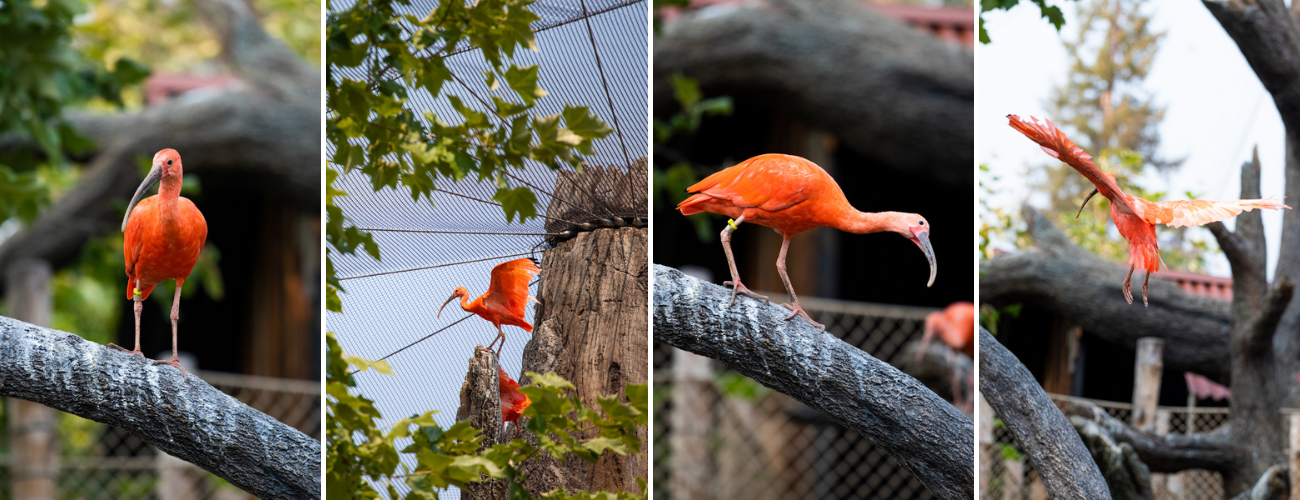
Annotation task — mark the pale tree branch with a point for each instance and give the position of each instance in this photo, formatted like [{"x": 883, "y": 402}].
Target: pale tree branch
[
  {"x": 892, "y": 410},
  {"x": 182, "y": 416}
]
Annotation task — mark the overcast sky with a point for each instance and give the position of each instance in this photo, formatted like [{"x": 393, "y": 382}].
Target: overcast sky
[{"x": 1216, "y": 109}]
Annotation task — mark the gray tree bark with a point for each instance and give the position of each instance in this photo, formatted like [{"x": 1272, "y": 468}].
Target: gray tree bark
[
  {"x": 893, "y": 93},
  {"x": 924, "y": 433},
  {"x": 184, "y": 417},
  {"x": 1040, "y": 429},
  {"x": 265, "y": 134},
  {"x": 591, "y": 327},
  {"x": 480, "y": 403}
]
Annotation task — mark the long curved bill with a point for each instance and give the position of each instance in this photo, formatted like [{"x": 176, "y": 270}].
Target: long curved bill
[
  {"x": 155, "y": 174},
  {"x": 923, "y": 241},
  {"x": 1085, "y": 203},
  {"x": 444, "y": 305}
]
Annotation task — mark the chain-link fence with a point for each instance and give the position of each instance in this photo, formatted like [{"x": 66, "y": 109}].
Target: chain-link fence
[
  {"x": 720, "y": 435},
  {"x": 97, "y": 461},
  {"x": 1007, "y": 475}
]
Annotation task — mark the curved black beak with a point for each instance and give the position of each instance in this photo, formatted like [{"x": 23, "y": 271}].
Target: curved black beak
[
  {"x": 923, "y": 240},
  {"x": 1085, "y": 203},
  {"x": 155, "y": 174},
  {"x": 444, "y": 305}
]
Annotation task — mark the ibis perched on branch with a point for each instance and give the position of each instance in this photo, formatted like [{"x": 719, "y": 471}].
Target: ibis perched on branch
[
  {"x": 1135, "y": 217},
  {"x": 792, "y": 195},
  {"x": 163, "y": 236},
  {"x": 505, "y": 300}
]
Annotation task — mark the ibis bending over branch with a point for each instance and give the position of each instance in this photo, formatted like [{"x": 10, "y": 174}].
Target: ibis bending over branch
[
  {"x": 792, "y": 195},
  {"x": 956, "y": 328},
  {"x": 505, "y": 300},
  {"x": 163, "y": 236},
  {"x": 1135, "y": 217}
]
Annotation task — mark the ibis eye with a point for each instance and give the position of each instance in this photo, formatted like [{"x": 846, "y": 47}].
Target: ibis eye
[
  {"x": 922, "y": 223},
  {"x": 169, "y": 163}
]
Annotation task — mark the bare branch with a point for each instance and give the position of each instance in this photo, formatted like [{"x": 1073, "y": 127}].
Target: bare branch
[
  {"x": 1168, "y": 453},
  {"x": 184, "y": 417},
  {"x": 1040, "y": 429},
  {"x": 926, "y": 434}
]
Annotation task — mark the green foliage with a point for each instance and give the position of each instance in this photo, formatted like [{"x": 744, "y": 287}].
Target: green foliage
[
  {"x": 734, "y": 385},
  {"x": 1051, "y": 13},
  {"x": 451, "y": 456},
  {"x": 670, "y": 183},
  {"x": 991, "y": 316},
  {"x": 374, "y": 131}
]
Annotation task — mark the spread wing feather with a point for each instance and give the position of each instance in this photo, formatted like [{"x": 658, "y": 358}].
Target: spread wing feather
[
  {"x": 509, "y": 287},
  {"x": 1196, "y": 212},
  {"x": 1057, "y": 145}
]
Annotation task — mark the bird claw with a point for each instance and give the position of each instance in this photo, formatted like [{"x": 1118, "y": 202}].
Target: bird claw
[
  {"x": 1128, "y": 293},
  {"x": 797, "y": 310},
  {"x": 136, "y": 352},
  {"x": 740, "y": 288},
  {"x": 174, "y": 362},
  {"x": 1144, "y": 295}
]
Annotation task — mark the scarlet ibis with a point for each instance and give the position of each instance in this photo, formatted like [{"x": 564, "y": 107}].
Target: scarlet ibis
[
  {"x": 513, "y": 402},
  {"x": 956, "y": 328},
  {"x": 791, "y": 195},
  {"x": 164, "y": 235},
  {"x": 504, "y": 302},
  {"x": 1135, "y": 217}
]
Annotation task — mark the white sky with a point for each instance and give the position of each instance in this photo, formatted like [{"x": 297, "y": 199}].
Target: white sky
[{"x": 1215, "y": 108}]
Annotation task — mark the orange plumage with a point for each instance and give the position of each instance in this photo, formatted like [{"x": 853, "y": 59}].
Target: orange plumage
[
  {"x": 791, "y": 195},
  {"x": 955, "y": 326},
  {"x": 1134, "y": 217},
  {"x": 506, "y": 298},
  {"x": 162, "y": 238},
  {"x": 513, "y": 402}
]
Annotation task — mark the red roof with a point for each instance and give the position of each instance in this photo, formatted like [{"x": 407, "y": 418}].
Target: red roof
[{"x": 1200, "y": 284}]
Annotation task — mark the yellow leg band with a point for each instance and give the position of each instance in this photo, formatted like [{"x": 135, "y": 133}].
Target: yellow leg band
[
  {"x": 732, "y": 223},
  {"x": 137, "y": 293}
]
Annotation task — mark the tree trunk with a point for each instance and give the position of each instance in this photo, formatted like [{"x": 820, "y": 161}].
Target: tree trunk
[
  {"x": 182, "y": 416},
  {"x": 1040, "y": 429},
  {"x": 890, "y": 92},
  {"x": 890, "y": 409},
  {"x": 591, "y": 324},
  {"x": 33, "y": 427},
  {"x": 480, "y": 403}
]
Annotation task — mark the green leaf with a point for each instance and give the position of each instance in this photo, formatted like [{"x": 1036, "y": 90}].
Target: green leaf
[
  {"x": 518, "y": 202},
  {"x": 524, "y": 82}
]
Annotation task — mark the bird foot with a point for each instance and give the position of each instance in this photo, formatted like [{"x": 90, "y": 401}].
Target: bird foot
[
  {"x": 797, "y": 310},
  {"x": 740, "y": 288},
  {"x": 1144, "y": 296},
  {"x": 174, "y": 362},
  {"x": 136, "y": 352},
  {"x": 1128, "y": 293}
]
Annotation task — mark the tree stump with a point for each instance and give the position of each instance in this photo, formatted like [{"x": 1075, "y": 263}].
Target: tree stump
[
  {"x": 480, "y": 402},
  {"x": 592, "y": 325}
]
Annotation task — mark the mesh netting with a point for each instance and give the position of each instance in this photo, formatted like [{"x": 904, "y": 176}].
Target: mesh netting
[{"x": 429, "y": 249}]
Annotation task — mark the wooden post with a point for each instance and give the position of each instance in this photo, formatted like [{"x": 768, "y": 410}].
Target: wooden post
[
  {"x": 592, "y": 327},
  {"x": 1146, "y": 382},
  {"x": 691, "y": 419},
  {"x": 1160, "y": 482},
  {"x": 33, "y": 429},
  {"x": 1295, "y": 455}
]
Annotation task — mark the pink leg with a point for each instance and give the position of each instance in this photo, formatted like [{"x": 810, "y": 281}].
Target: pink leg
[
  {"x": 795, "y": 309},
  {"x": 731, "y": 262},
  {"x": 1144, "y": 290},
  {"x": 176, "y": 315},
  {"x": 138, "y": 307},
  {"x": 1128, "y": 286}
]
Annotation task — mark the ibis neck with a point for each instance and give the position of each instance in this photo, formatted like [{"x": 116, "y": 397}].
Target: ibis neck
[
  {"x": 857, "y": 222},
  {"x": 169, "y": 195}
]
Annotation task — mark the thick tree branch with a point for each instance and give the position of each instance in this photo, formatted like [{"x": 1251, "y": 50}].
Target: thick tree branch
[
  {"x": 1272, "y": 485},
  {"x": 1126, "y": 476},
  {"x": 926, "y": 434},
  {"x": 184, "y": 417},
  {"x": 1169, "y": 453},
  {"x": 1263, "y": 324},
  {"x": 890, "y": 92},
  {"x": 1040, "y": 429},
  {"x": 1059, "y": 276}
]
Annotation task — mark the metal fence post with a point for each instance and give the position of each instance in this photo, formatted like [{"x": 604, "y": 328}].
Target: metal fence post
[{"x": 33, "y": 429}]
